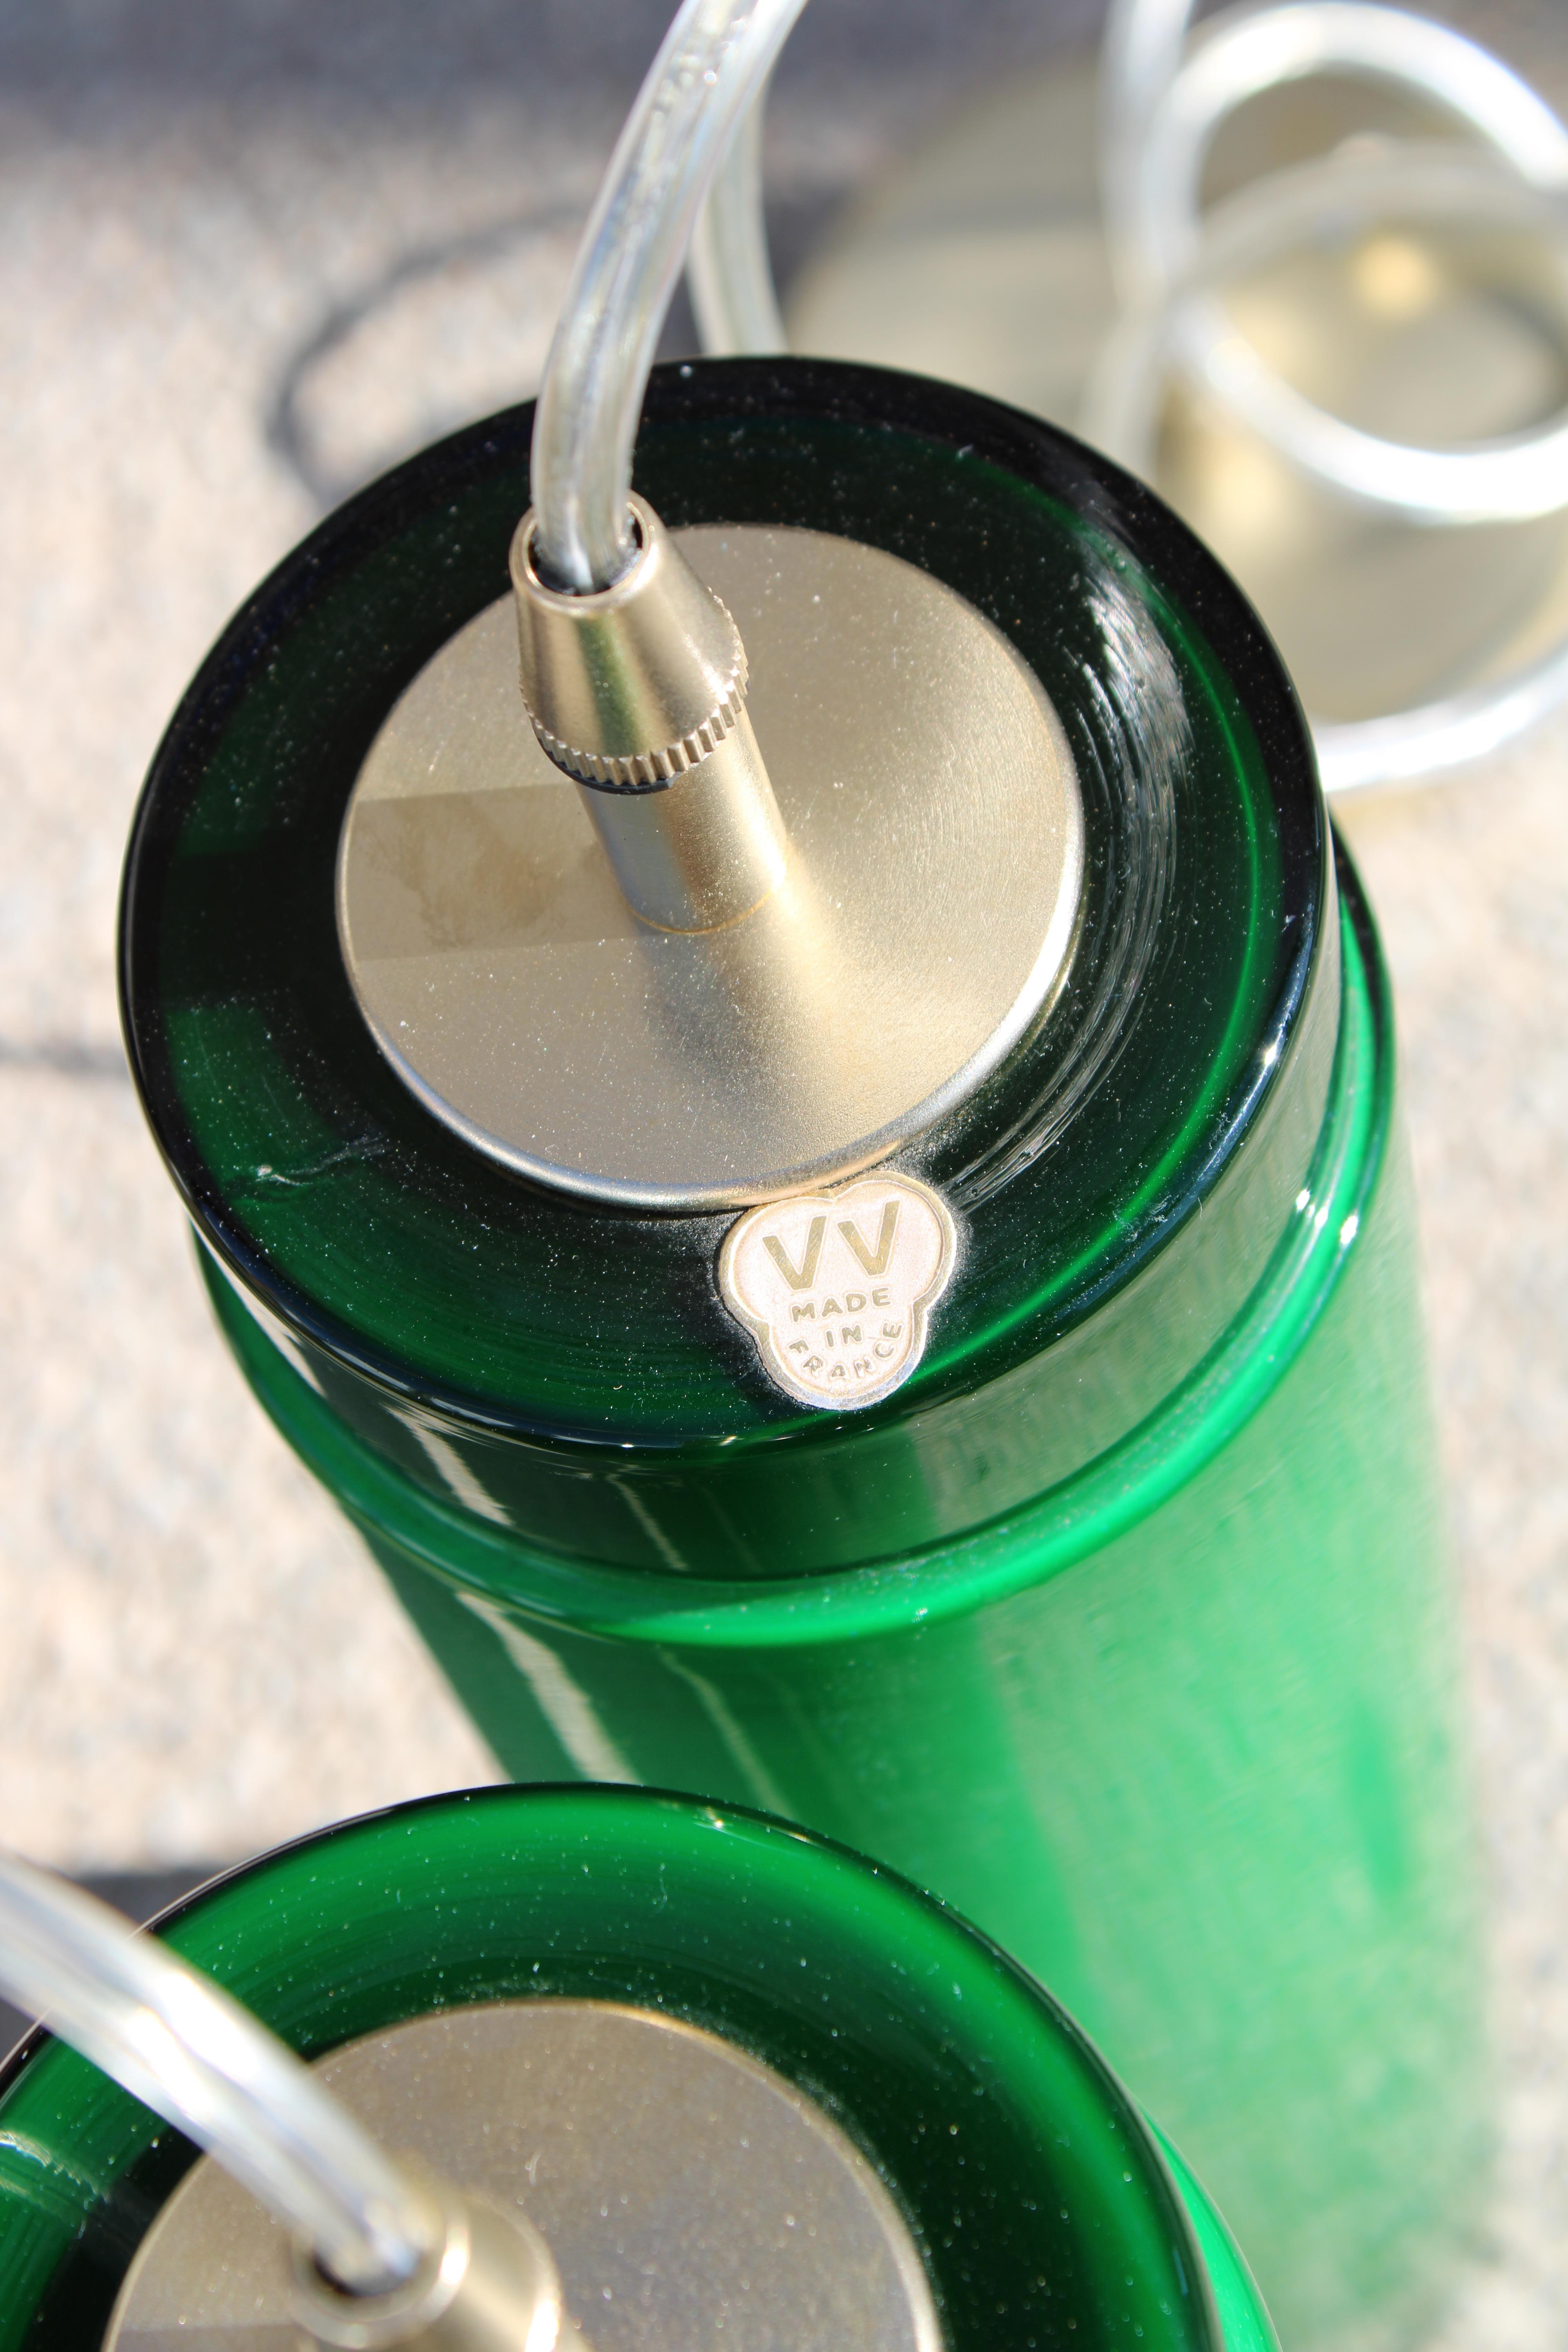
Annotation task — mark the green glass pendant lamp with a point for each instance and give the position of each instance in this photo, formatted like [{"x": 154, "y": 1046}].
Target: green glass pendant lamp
[
  {"x": 746, "y": 2089},
  {"x": 785, "y": 1093}
]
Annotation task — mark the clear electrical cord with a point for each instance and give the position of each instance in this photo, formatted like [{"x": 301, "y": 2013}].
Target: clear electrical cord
[
  {"x": 1140, "y": 56},
  {"x": 1162, "y": 101},
  {"x": 728, "y": 271},
  {"x": 710, "y": 72},
  {"x": 179, "y": 2044}
]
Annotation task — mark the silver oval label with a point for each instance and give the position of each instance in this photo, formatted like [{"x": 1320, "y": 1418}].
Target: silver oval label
[{"x": 836, "y": 1288}]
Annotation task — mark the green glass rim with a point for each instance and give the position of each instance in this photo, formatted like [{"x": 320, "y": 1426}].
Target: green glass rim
[
  {"x": 933, "y": 2041},
  {"x": 224, "y": 1036},
  {"x": 1113, "y": 1493}
]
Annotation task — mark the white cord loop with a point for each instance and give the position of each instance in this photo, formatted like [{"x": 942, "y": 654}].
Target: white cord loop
[
  {"x": 1158, "y": 117},
  {"x": 1513, "y": 480},
  {"x": 1140, "y": 57},
  {"x": 1125, "y": 399},
  {"x": 1517, "y": 478}
]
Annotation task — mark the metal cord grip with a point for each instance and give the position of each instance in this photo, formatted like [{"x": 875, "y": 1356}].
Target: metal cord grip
[{"x": 638, "y": 692}]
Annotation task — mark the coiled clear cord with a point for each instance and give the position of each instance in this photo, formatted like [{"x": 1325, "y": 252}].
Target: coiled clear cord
[
  {"x": 1159, "y": 108},
  {"x": 179, "y": 2044},
  {"x": 728, "y": 272},
  {"x": 1172, "y": 264},
  {"x": 1140, "y": 55},
  {"x": 711, "y": 68},
  {"x": 1517, "y": 478}
]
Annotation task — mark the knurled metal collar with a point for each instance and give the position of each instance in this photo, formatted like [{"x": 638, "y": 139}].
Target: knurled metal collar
[{"x": 629, "y": 687}]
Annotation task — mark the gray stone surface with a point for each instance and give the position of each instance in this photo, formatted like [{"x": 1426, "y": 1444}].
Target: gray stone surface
[
  {"x": 251, "y": 252},
  {"x": 1471, "y": 886}
]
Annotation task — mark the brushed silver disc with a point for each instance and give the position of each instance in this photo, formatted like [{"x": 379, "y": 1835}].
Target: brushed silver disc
[
  {"x": 935, "y": 865},
  {"x": 693, "y": 2201}
]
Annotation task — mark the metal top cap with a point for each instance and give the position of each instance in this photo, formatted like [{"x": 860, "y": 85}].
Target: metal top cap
[{"x": 690, "y": 2198}]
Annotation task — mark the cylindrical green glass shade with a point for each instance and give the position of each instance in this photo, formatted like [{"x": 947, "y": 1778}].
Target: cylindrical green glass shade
[
  {"x": 1041, "y": 2206},
  {"x": 1182, "y": 1738},
  {"x": 1123, "y": 1624}
]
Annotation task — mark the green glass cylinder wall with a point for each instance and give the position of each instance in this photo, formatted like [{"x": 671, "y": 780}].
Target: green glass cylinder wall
[
  {"x": 1124, "y": 1624},
  {"x": 1044, "y": 2210}
]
